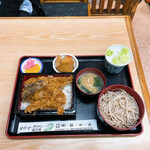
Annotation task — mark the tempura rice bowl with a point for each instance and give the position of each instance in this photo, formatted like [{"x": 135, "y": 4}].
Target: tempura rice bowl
[{"x": 69, "y": 105}]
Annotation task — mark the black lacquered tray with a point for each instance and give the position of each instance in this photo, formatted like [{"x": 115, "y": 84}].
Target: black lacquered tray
[{"x": 84, "y": 122}]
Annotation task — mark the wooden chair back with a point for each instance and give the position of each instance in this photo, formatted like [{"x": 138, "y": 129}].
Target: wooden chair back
[{"x": 114, "y": 7}]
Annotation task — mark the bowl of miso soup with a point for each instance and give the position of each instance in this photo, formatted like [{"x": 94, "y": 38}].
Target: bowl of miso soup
[{"x": 90, "y": 81}]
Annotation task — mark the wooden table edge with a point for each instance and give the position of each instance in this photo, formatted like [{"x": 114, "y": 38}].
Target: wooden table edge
[
  {"x": 138, "y": 64},
  {"x": 66, "y": 17}
]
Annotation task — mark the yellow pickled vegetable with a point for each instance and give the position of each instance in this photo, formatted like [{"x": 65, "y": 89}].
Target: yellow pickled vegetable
[{"x": 35, "y": 69}]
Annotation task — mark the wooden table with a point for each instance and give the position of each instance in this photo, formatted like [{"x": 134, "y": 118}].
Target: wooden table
[{"x": 79, "y": 36}]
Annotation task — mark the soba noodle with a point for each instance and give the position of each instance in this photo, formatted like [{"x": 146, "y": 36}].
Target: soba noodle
[{"x": 119, "y": 109}]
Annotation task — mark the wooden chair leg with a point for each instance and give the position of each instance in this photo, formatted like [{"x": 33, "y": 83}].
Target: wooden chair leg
[
  {"x": 94, "y": 6},
  {"x": 89, "y": 10},
  {"x": 134, "y": 9},
  {"x": 129, "y": 7}
]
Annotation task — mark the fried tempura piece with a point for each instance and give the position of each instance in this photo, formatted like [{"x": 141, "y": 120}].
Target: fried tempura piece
[
  {"x": 33, "y": 80},
  {"x": 30, "y": 81},
  {"x": 65, "y": 64},
  {"x": 31, "y": 89},
  {"x": 50, "y": 96},
  {"x": 49, "y": 101},
  {"x": 59, "y": 82}
]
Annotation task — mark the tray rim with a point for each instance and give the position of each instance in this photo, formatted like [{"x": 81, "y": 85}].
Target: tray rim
[{"x": 69, "y": 135}]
